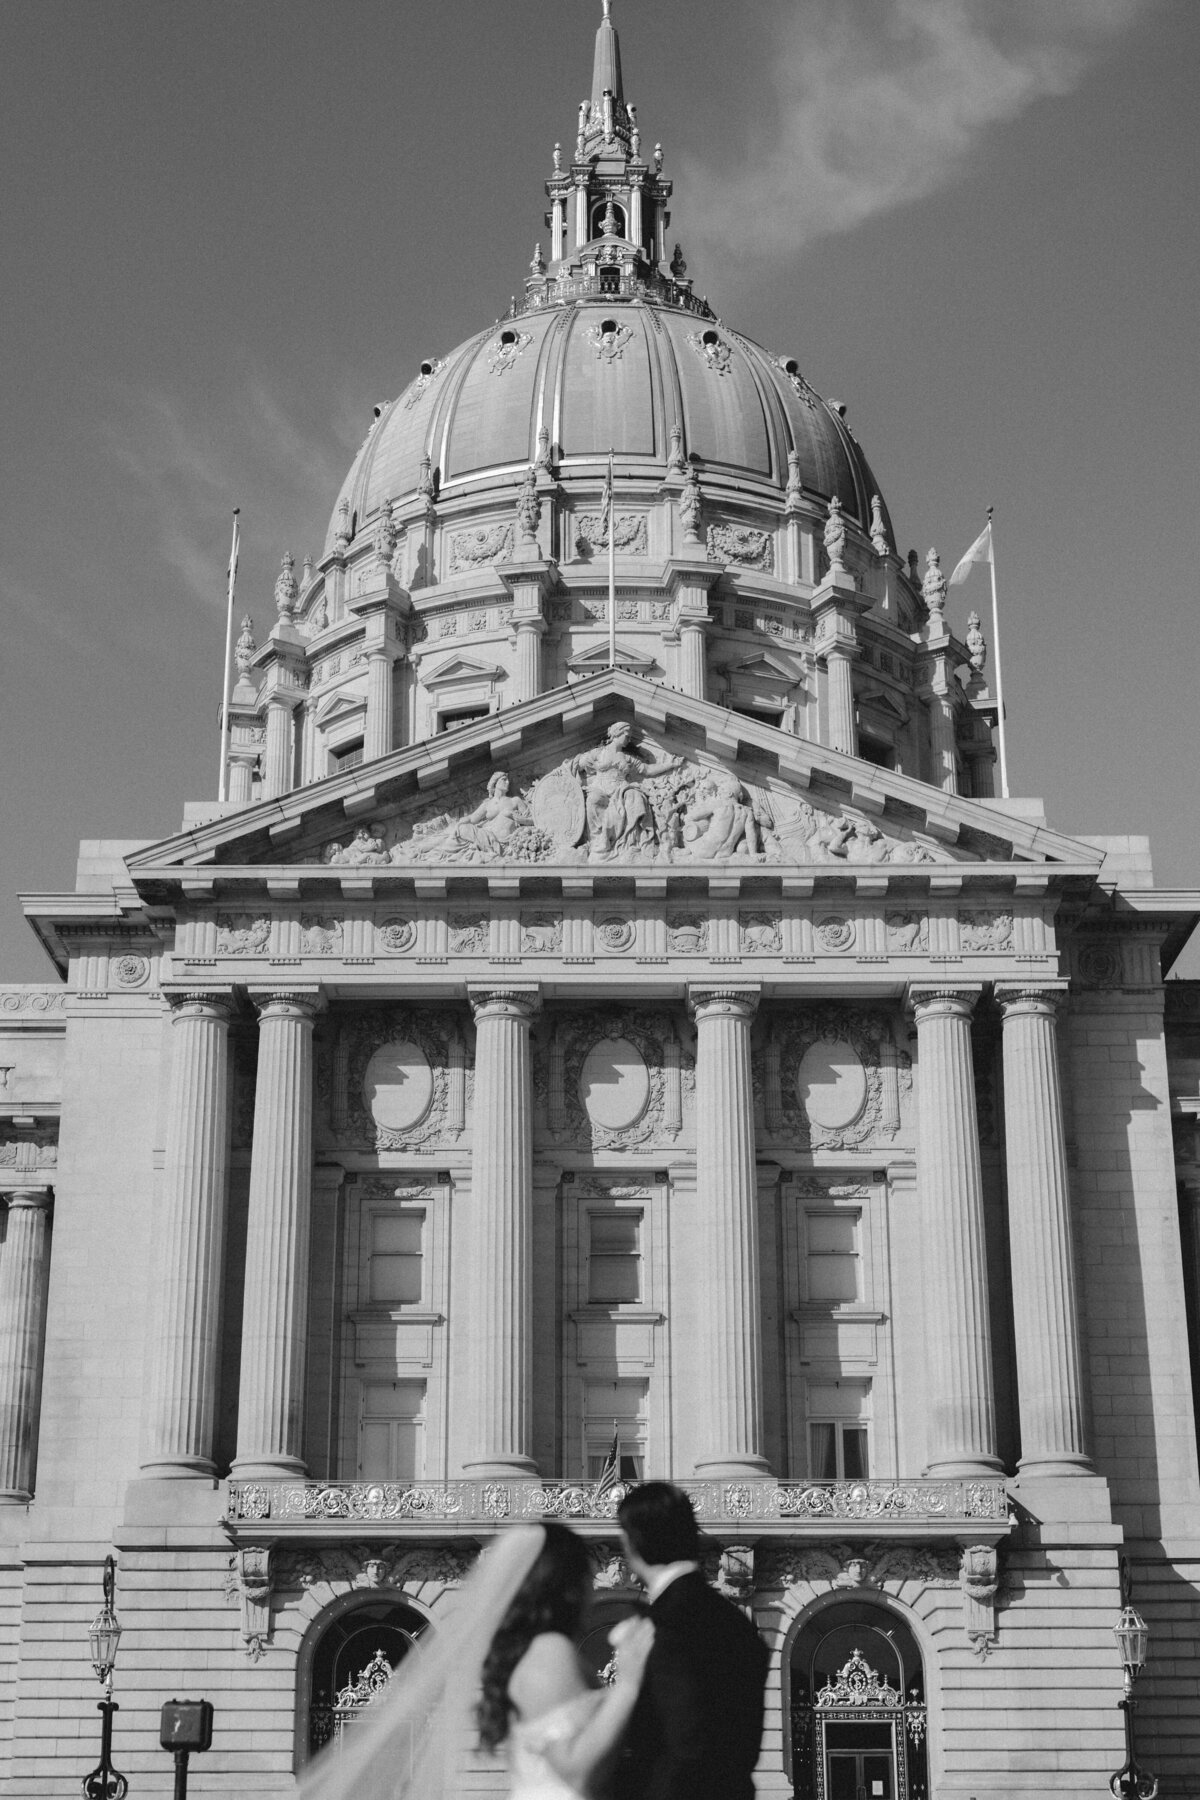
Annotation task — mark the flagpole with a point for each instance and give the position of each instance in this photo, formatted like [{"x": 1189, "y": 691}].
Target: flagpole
[
  {"x": 612, "y": 568},
  {"x": 233, "y": 562},
  {"x": 999, "y": 673}
]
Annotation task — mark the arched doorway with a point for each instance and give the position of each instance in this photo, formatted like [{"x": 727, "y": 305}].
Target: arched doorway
[
  {"x": 858, "y": 1715},
  {"x": 351, "y": 1661}
]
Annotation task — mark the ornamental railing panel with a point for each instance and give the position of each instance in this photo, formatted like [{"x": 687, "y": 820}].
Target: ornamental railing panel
[{"x": 931, "y": 1504}]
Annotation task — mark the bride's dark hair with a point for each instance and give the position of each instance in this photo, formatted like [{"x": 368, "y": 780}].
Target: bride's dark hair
[{"x": 551, "y": 1598}]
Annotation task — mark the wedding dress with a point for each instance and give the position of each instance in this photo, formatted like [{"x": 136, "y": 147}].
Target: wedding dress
[{"x": 530, "y": 1774}]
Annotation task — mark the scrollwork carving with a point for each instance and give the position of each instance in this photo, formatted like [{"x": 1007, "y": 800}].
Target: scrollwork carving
[
  {"x": 472, "y": 549},
  {"x": 242, "y": 934},
  {"x": 560, "y": 1068},
  {"x": 434, "y": 1036},
  {"x": 983, "y": 929},
  {"x": 739, "y": 544},
  {"x": 869, "y": 1037}
]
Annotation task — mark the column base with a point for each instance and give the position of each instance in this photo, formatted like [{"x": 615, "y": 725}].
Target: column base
[
  {"x": 180, "y": 1468},
  {"x": 280, "y": 1468},
  {"x": 1080, "y": 1498},
  {"x": 965, "y": 1468},
  {"x": 501, "y": 1468},
  {"x": 733, "y": 1468},
  {"x": 1054, "y": 1468},
  {"x": 15, "y": 1497}
]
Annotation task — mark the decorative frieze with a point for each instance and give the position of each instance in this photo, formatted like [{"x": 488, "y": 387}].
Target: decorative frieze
[
  {"x": 629, "y": 529},
  {"x": 742, "y": 545},
  {"x": 485, "y": 545}
]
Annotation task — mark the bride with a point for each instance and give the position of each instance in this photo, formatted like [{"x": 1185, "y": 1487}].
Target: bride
[{"x": 501, "y": 1674}]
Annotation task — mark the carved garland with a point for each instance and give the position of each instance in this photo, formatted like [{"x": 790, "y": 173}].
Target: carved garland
[{"x": 443, "y": 1120}]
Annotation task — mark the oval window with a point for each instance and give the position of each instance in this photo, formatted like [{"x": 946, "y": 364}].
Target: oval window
[
  {"x": 614, "y": 1084},
  {"x": 831, "y": 1083},
  {"x": 398, "y": 1085}
]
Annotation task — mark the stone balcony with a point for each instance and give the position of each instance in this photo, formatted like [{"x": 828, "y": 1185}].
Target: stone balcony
[{"x": 269, "y": 1511}]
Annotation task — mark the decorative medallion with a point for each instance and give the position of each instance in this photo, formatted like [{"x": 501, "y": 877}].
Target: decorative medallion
[
  {"x": 615, "y": 934},
  {"x": 398, "y": 1085},
  {"x": 609, "y": 339},
  {"x": 131, "y": 971},
  {"x": 831, "y": 1084},
  {"x": 614, "y": 1084},
  {"x": 506, "y": 349},
  {"x": 712, "y": 350},
  {"x": 1099, "y": 965},
  {"x": 396, "y": 935},
  {"x": 834, "y": 933}
]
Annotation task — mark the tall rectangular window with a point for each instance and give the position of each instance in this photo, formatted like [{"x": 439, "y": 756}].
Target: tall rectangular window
[
  {"x": 395, "y": 1258},
  {"x": 615, "y": 1412},
  {"x": 833, "y": 1258},
  {"x": 391, "y": 1437},
  {"x": 838, "y": 1431},
  {"x": 614, "y": 1258}
]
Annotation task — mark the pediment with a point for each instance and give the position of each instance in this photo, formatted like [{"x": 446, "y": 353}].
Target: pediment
[
  {"x": 765, "y": 667},
  {"x": 615, "y": 771},
  {"x": 882, "y": 701},
  {"x": 460, "y": 668},
  {"x": 595, "y": 660},
  {"x": 342, "y": 705}
]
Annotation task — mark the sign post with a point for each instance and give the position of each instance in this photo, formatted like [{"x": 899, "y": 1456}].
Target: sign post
[{"x": 185, "y": 1725}]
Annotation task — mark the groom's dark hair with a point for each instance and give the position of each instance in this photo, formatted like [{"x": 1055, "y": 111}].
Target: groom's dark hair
[{"x": 659, "y": 1522}]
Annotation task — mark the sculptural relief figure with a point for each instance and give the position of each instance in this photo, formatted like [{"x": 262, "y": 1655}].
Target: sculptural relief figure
[
  {"x": 364, "y": 849},
  {"x": 933, "y": 587},
  {"x": 529, "y": 508},
  {"x": 481, "y": 836},
  {"x": 691, "y": 503},
  {"x": 619, "y": 816},
  {"x": 721, "y": 821}
]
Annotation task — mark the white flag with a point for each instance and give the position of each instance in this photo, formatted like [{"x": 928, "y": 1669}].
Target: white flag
[{"x": 980, "y": 551}]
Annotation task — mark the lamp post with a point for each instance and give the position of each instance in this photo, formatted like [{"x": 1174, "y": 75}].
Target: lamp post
[
  {"x": 1131, "y": 1783},
  {"x": 104, "y": 1634}
]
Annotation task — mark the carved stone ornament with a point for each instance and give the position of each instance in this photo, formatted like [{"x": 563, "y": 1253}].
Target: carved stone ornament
[
  {"x": 542, "y": 934},
  {"x": 609, "y": 339},
  {"x": 242, "y": 934},
  {"x": 287, "y": 591},
  {"x": 623, "y": 802},
  {"x": 395, "y": 936},
  {"x": 32, "y": 999},
  {"x": 251, "y": 1582},
  {"x": 760, "y": 933},
  {"x": 858, "y": 1685},
  {"x": 933, "y": 586},
  {"x": 835, "y": 537},
  {"x": 906, "y": 933},
  {"x": 130, "y": 971},
  {"x": 506, "y": 348},
  {"x": 691, "y": 506},
  {"x": 429, "y": 373},
  {"x": 687, "y": 934},
  {"x": 320, "y": 934},
  {"x": 712, "y": 350},
  {"x": 739, "y": 544},
  {"x": 980, "y": 1580},
  {"x": 591, "y": 531},
  {"x": 976, "y": 643},
  {"x": 1099, "y": 965},
  {"x": 245, "y": 650},
  {"x": 612, "y": 1079},
  {"x": 373, "y": 1566},
  {"x": 981, "y": 929},
  {"x": 831, "y": 1078},
  {"x": 529, "y": 507},
  {"x": 404, "y": 1076},
  {"x": 879, "y": 536},
  {"x": 796, "y": 381}
]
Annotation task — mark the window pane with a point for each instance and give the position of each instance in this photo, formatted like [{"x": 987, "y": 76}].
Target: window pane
[
  {"x": 615, "y": 1232},
  {"x": 612, "y": 1279},
  {"x": 397, "y": 1232},
  {"x": 396, "y": 1279},
  {"x": 833, "y": 1278},
  {"x": 614, "y": 1266},
  {"x": 822, "y": 1445},
  {"x": 833, "y": 1233},
  {"x": 854, "y": 1453}
]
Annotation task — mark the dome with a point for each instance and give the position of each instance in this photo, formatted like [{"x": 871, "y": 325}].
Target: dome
[{"x": 601, "y": 373}]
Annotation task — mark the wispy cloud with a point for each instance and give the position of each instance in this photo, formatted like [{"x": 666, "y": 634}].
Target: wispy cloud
[
  {"x": 188, "y": 465},
  {"x": 880, "y": 102},
  {"x": 30, "y": 616}
]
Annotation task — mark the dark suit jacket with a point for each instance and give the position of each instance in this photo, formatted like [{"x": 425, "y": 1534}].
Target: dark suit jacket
[{"x": 697, "y": 1725}]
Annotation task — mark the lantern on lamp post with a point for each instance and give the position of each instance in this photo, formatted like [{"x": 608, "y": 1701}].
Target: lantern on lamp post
[
  {"x": 104, "y": 1634},
  {"x": 1131, "y": 1783}
]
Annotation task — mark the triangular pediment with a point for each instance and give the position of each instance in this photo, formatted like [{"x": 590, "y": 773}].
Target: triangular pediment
[
  {"x": 596, "y": 660},
  {"x": 460, "y": 668},
  {"x": 615, "y": 770},
  {"x": 765, "y": 667}
]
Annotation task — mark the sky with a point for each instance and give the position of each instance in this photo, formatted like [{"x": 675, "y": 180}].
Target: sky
[{"x": 233, "y": 226}]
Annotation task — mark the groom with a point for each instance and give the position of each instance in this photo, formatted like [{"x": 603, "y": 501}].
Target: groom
[{"x": 696, "y": 1728}]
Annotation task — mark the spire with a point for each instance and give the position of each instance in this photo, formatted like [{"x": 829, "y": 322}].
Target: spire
[{"x": 606, "y": 69}]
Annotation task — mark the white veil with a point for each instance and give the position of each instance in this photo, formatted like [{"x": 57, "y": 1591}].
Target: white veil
[{"x": 413, "y": 1741}]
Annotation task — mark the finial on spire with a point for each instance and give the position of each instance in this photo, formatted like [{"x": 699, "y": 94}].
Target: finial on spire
[
  {"x": 245, "y": 649},
  {"x": 835, "y": 537},
  {"x": 976, "y": 643},
  {"x": 607, "y": 6},
  {"x": 933, "y": 587},
  {"x": 879, "y": 536},
  {"x": 286, "y": 591}
]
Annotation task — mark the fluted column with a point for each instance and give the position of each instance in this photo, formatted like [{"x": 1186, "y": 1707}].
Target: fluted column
[
  {"x": 961, "y": 1404},
  {"x": 943, "y": 739},
  {"x": 241, "y": 776},
  {"x": 527, "y": 672},
  {"x": 498, "y": 1239},
  {"x": 1045, "y": 1308},
  {"x": 691, "y": 657},
  {"x": 277, "y": 751},
  {"x": 377, "y": 737},
  {"x": 183, "y": 1351},
  {"x": 22, "y": 1329},
  {"x": 275, "y": 1308},
  {"x": 843, "y": 728},
  {"x": 729, "y": 1354}
]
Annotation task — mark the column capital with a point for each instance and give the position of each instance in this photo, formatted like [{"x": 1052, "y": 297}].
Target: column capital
[
  {"x": 731, "y": 1002},
  {"x": 29, "y": 1199},
  {"x": 201, "y": 1003},
  {"x": 287, "y": 1003},
  {"x": 1030, "y": 998},
  {"x": 504, "y": 1002},
  {"x": 944, "y": 1001}
]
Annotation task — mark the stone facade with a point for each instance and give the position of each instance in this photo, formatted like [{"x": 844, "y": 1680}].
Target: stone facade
[{"x": 545, "y": 1054}]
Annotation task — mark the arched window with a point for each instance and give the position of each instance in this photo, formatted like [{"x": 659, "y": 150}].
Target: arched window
[
  {"x": 346, "y": 1663},
  {"x": 856, "y": 1700}
]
